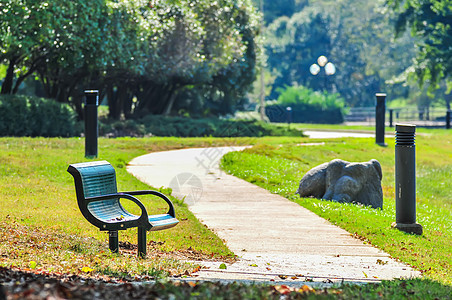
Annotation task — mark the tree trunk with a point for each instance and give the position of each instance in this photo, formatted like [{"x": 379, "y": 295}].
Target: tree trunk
[
  {"x": 161, "y": 99},
  {"x": 7, "y": 86},
  {"x": 146, "y": 99},
  {"x": 170, "y": 103},
  {"x": 77, "y": 104},
  {"x": 30, "y": 71},
  {"x": 120, "y": 101},
  {"x": 111, "y": 99},
  {"x": 127, "y": 105}
]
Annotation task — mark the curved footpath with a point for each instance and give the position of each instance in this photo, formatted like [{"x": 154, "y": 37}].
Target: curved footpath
[{"x": 277, "y": 241}]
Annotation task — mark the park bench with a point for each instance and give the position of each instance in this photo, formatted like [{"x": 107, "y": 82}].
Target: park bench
[{"x": 99, "y": 202}]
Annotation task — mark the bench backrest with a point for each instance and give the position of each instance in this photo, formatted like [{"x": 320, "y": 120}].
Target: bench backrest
[{"x": 95, "y": 179}]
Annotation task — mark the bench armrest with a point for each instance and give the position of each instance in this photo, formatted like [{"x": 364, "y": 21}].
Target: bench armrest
[
  {"x": 144, "y": 213},
  {"x": 171, "y": 211}
]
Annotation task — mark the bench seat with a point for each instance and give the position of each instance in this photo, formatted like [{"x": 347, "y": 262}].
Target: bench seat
[{"x": 160, "y": 222}]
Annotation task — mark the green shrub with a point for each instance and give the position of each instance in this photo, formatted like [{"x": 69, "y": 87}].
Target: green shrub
[
  {"x": 307, "y": 106},
  {"x": 121, "y": 128},
  {"x": 33, "y": 116},
  {"x": 187, "y": 127}
]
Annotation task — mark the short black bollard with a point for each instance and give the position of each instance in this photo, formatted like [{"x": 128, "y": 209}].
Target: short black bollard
[
  {"x": 380, "y": 111},
  {"x": 405, "y": 179},
  {"x": 448, "y": 119},
  {"x": 91, "y": 128}
]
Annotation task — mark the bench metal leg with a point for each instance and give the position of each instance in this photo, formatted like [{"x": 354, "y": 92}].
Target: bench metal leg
[
  {"x": 113, "y": 241},
  {"x": 141, "y": 242}
]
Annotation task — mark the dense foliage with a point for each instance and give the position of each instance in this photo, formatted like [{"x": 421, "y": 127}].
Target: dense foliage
[
  {"x": 188, "y": 127},
  {"x": 199, "y": 57},
  {"x": 356, "y": 36},
  {"x": 32, "y": 116},
  {"x": 303, "y": 105},
  {"x": 145, "y": 56},
  {"x": 429, "y": 21}
]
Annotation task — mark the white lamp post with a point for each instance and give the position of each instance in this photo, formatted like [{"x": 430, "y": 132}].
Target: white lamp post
[{"x": 322, "y": 62}]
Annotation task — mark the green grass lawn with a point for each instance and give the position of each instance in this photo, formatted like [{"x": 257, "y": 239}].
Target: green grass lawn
[
  {"x": 369, "y": 128},
  {"x": 40, "y": 220},
  {"x": 42, "y": 230},
  {"x": 279, "y": 169}
]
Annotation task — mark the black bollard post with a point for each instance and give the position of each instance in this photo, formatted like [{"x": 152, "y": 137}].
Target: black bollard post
[
  {"x": 391, "y": 117},
  {"x": 448, "y": 119},
  {"x": 91, "y": 128},
  {"x": 405, "y": 179},
  {"x": 380, "y": 110}
]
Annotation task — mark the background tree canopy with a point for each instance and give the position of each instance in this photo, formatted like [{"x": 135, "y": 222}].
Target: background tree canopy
[
  {"x": 359, "y": 37},
  {"x": 354, "y": 35},
  {"x": 430, "y": 21},
  {"x": 199, "y": 57},
  {"x": 141, "y": 54}
]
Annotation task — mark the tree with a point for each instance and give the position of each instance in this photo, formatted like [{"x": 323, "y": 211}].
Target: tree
[
  {"x": 355, "y": 35},
  {"x": 23, "y": 35},
  {"x": 77, "y": 50},
  {"x": 140, "y": 54},
  {"x": 283, "y": 8},
  {"x": 207, "y": 48},
  {"x": 62, "y": 42},
  {"x": 429, "y": 20},
  {"x": 293, "y": 44}
]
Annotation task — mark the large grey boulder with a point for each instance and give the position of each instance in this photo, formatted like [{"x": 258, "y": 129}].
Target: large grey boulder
[{"x": 343, "y": 181}]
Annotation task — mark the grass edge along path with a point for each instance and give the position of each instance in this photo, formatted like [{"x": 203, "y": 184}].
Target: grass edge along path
[{"x": 279, "y": 169}]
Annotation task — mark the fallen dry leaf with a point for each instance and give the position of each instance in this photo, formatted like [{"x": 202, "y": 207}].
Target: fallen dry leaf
[
  {"x": 307, "y": 289},
  {"x": 283, "y": 289}
]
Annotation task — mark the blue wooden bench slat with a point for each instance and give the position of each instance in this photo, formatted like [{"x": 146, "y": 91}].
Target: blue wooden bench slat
[
  {"x": 99, "y": 202},
  {"x": 162, "y": 221}
]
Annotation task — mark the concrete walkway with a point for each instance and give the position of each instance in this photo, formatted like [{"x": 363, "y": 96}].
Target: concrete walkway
[
  {"x": 277, "y": 240},
  {"x": 328, "y": 134}
]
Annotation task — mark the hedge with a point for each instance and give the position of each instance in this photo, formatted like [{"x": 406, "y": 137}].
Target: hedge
[
  {"x": 302, "y": 114},
  {"x": 32, "y": 116},
  {"x": 157, "y": 125}
]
